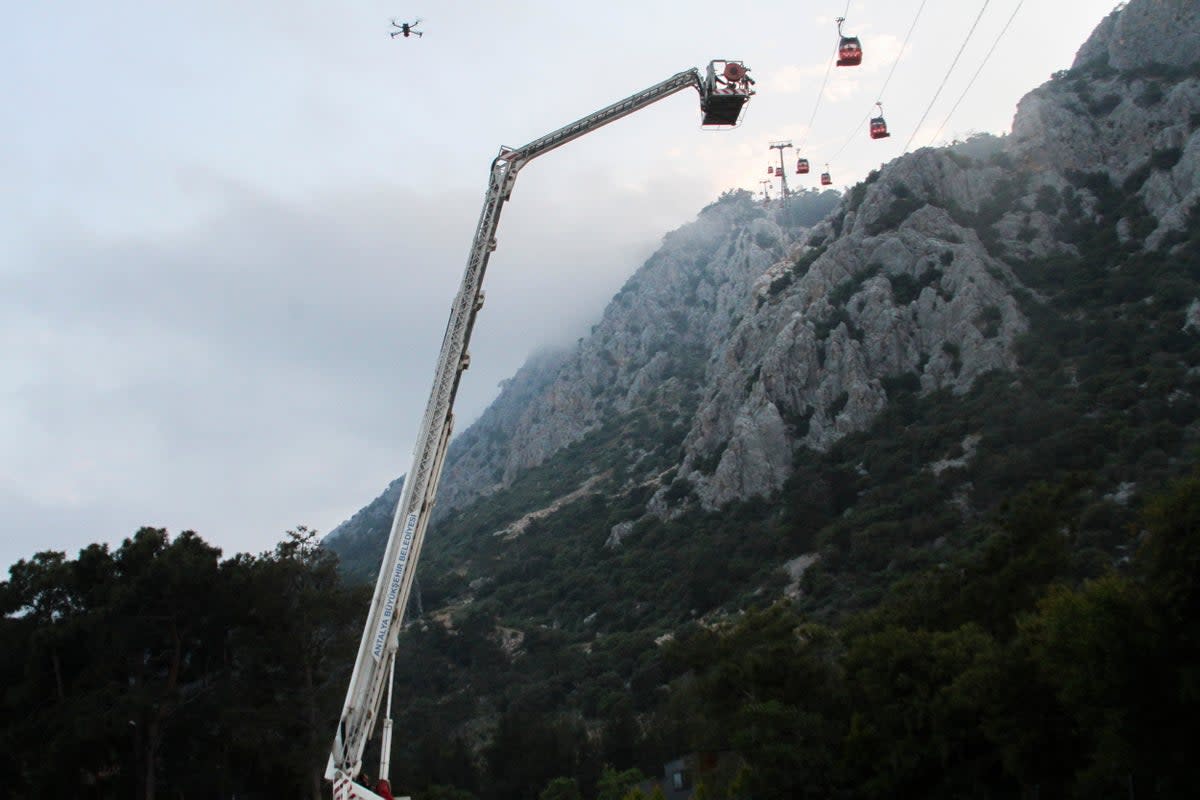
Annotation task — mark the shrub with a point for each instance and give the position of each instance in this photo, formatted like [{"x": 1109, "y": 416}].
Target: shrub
[
  {"x": 1150, "y": 95},
  {"x": 989, "y": 320},
  {"x": 1048, "y": 200}
]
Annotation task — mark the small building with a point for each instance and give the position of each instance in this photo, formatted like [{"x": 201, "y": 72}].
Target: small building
[{"x": 681, "y": 776}]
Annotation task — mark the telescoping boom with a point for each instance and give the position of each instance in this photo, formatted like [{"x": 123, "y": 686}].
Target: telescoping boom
[{"x": 724, "y": 91}]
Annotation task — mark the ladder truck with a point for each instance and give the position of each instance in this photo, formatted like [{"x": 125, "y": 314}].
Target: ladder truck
[{"x": 724, "y": 90}]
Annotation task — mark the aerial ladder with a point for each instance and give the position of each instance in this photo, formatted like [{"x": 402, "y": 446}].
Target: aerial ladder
[{"x": 724, "y": 91}]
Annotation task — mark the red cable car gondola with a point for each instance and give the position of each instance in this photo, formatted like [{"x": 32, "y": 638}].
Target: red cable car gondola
[
  {"x": 849, "y": 48},
  {"x": 770, "y": 169},
  {"x": 802, "y": 166},
  {"x": 826, "y": 180},
  {"x": 879, "y": 126}
]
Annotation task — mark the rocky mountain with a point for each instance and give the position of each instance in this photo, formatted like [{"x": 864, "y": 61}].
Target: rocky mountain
[
  {"x": 979, "y": 362},
  {"x": 757, "y": 338}
]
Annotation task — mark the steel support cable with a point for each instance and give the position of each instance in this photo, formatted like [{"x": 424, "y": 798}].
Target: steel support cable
[
  {"x": 945, "y": 78},
  {"x": 883, "y": 88},
  {"x": 824, "y": 83},
  {"x": 976, "y": 75}
]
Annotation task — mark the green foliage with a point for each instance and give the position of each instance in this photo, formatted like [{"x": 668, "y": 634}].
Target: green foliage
[
  {"x": 798, "y": 269},
  {"x": 858, "y": 192},
  {"x": 804, "y": 262},
  {"x": 1095, "y": 649},
  {"x": 906, "y": 288},
  {"x": 1111, "y": 328},
  {"x": 989, "y": 319},
  {"x": 766, "y": 240},
  {"x": 1026, "y": 682},
  {"x": 1166, "y": 158},
  {"x": 899, "y": 209},
  {"x": 807, "y": 207},
  {"x": 1151, "y": 94},
  {"x": 782, "y": 282},
  {"x": 1103, "y": 106},
  {"x": 951, "y": 349},
  {"x": 616, "y": 785},
  {"x": 917, "y": 696},
  {"x": 740, "y": 198},
  {"x": 159, "y": 668},
  {"x": 529, "y": 749},
  {"x": 842, "y": 293},
  {"x": 838, "y": 404},
  {"x": 437, "y": 792},
  {"x": 1048, "y": 200}
]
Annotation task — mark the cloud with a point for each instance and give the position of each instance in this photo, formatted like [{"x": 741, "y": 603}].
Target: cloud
[
  {"x": 268, "y": 366},
  {"x": 795, "y": 79},
  {"x": 841, "y": 90},
  {"x": 880, "y": 52}
]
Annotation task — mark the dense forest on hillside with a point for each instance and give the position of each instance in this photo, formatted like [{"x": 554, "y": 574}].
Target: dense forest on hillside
[
  {"x": 160, "y": 670},
  {"x": 555, "y": 627}
]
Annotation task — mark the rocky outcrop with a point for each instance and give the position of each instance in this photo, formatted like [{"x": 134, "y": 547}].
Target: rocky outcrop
[
  {"x": 648, "y": 348},
  {"x": 1145, "y": 34},
  {"x": 1129, "y": 107},
  {"x": 810, "y": 364},
  {"x": 474, "y": 463}
]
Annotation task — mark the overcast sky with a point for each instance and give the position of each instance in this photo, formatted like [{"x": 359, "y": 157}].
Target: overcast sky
[{"x": 230, "y": 232}]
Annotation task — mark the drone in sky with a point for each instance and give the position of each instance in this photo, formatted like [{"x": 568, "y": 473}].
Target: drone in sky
[{"x": 406, "y": 29}]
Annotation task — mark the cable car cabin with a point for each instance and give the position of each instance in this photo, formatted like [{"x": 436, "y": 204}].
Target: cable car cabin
[
  {"x": 879, "y": 128},
  {"x": 770, "y": 169},
  {"x": 727, "y": 87},
  {"x": 802, "y": 166},
  {"x": 825, "y": 179},
  {"x": 849, "y": 52}
]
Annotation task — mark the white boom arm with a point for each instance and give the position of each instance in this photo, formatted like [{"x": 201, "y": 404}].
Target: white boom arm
[{"x": 723, "y": 96}]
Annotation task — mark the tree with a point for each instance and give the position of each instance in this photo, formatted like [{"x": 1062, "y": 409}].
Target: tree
[
  {"x": 164, "y": 644},
  {"x": 1169, "y": 566},
  {"x": 296, "y": 628},
  {"x": 561, "y": 789},
  {"x": 1096, "y": 648},
  {"x": 614, "y": 785},
  {"x": 529, "y": 749},
  {"x": 438, "y": 792},
  {"x": 917, "y": 701},
  {"x": 158, "y": 668}
]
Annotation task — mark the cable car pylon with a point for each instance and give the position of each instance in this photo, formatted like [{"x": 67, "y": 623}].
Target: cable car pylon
[{"x": 780, "y": 171}]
